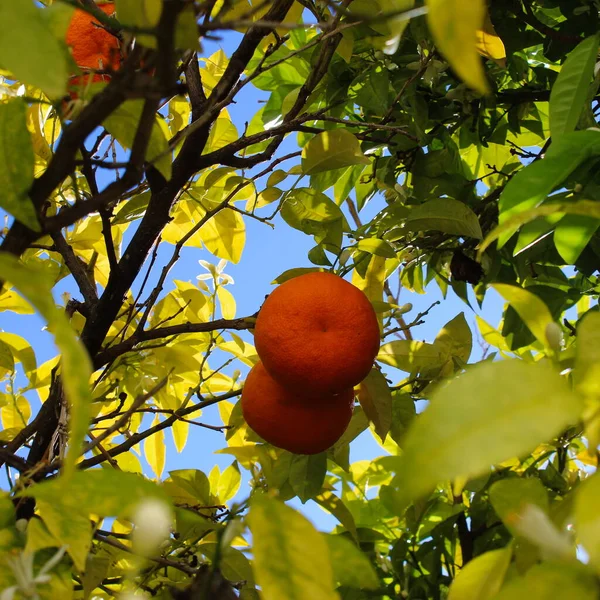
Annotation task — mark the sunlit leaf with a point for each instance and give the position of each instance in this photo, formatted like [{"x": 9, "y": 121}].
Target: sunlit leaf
[
  {"x": 16, "y": 161},
  {"x": 29, "y": 49},
  {"x": 76, "y": 365},
  {"x": 454, "y": 25},
  {"x": 229, "y": 482},
  {"x": 447, "y": 215},
  {"x": 495, "y": 411},
  {"x": 489, "y": 43},
  {"x": 529, "y": 307},
  {"x": 155, "y": 450},
  {"x": 569, "y": 91},
  {"x": 332, "y": 150},
  {"x": 482, "y": 578},
  {"x": 291, "y": 558},
  {"x": 350, "y": 566}
]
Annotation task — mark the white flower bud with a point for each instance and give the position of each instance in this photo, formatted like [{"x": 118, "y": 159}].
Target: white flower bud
[
  {"x": 152, "y": 521},
  {"x": 554, "y": 336}
]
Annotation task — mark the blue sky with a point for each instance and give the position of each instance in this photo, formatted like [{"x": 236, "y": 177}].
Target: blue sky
[{"x": 267, "y": 254}]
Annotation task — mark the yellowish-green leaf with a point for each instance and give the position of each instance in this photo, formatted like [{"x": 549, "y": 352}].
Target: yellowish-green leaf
[
  {"x": 454, "y": 25},
  {"x": 16, "y": 413},
  {"x": 332, "y": 150},
  {"x": 291, "y": 558},
  {"x": 456, "y": 338},
  {"x": 493, "y": 412},
  {"x": 224, "y": 235},
  {"x": 587, "y": 518},
  {"x": 155, "y": 451},
  {"x": 351, "y": 567},
  {"x": 76, "y": 365},
  {"x": 489, "y": 43},
  {"x": 229, "y": 483},
  {"x": 375, "y": 397},
  {"x": 587, "y": 362},
  {"x": 446, "y": 215},
  {"x": 10, "y": 300},
  {"x": 551, "y": 581},
  {"x": 335, "y": 506},
  {"x": 510, "y": 496},
  {"x": 123, "y": 124},
  {"x": 532, "y": 310},
  {"x": 222, "y": 133},
  {"x": 16, "y": 161},
  {"x": 140, "y": 13},
  {"x": 307, "y": 474},
  {"x": 412, "y": 356},
  {"x": 377, "y": 247},
  {"x": 482, "y": 578},
  {"x": 32, "y": 53},
  {"x": 70, "y": 528},
  {"x": 227, "y": 302},
  {"x": 179, "y": 431}
]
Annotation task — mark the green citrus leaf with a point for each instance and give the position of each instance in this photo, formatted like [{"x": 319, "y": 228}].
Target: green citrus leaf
[
  {"x": 291, "y": 558},
  {"x": 446, "y": 215},
  {"x": 454, "y": 25},
  {"x": 570, "y": 89},
  {"x": 332, "y": 150},
  {"x": 16, "y": 163},
  {"x": 351, "y": 567},
  {"x": 495, "y": 411}
]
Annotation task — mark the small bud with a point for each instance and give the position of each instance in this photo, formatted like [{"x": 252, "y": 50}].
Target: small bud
[
  {"x": 152, "y": 520},
  {"x": 554, "y": 336},
  {"x": 406, "y": 308}
]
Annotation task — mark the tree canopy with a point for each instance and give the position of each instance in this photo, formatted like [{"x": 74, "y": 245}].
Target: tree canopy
[{"x": 472, "y": 127}]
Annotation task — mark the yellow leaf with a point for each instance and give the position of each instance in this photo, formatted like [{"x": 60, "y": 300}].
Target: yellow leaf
[
  {"x": 224, "y": 235},
  {"x": 16, "y": 414},
  {"x": 10, "y": 300},
  {"x": 180, "y": 432},
  {"x": 454, "y": 25},
  {"x": 227, "y": 302},
  {"x": 155, "y": 450},
  {"x": 372, "y": 282},
  {"x": 489, "y": 43}
]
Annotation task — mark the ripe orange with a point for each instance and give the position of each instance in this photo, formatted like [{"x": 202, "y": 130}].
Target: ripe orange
[
  {"x": 91, "y": 45},
  {"x": 317, "y": 333},
  {"x": 286, "y": 419}
]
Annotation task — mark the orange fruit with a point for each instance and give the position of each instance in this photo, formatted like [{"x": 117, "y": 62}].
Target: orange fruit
[
  {"x": 317, "y": 333},
  {"x": 91, "y": 45},
  {"x": 288, "y": 419}
]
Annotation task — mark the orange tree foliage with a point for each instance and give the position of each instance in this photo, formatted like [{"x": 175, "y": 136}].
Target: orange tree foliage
[{"x": 474, "y": 126}]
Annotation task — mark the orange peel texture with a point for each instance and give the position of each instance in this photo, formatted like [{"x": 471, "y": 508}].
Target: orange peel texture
[
  {"x": 317, "y": 333},
  {"x": 287, "y": 420}
]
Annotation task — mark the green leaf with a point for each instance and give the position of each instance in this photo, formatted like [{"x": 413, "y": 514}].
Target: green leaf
[
  {"x": 456, "y": 338},
  {"x": 569, "y": 91},
  {"x": 482, "y": 578},
  {"x": 587, "y": 518},
  {"x": 350, "y": 566},
  {"x": 86, "y": 492},
  {"x": 495, "y": 411},
  {"x": 307, "y": 474},
  {"x": 551, "y": 581},
  {"x": 194, "y": 482},
  {"x": 16, "y": 162},
  {"x": 76, "y": 366},
  {"x": 332, "y": 150},
  {"x": 229, "y": 482},
  {"x": 532, "y": 310},
  {"x": 403, "y": 414},
  {"x": 123, "y": 124},
  {"x": 291, "y": 273},
  {"x": 29, "y": 49},
  {"x": 377, "y": 247},
  {"x": 291, "y": 558},
  {"x": 140, "y": 13},
  {"x": 335, "y": 506},
  {"x": 224, "y": 235},
  {"x": 572, "y": 235},
  {"x": 531, "y": 185},
  {"x": 454, "y": 25},
  {"x": 70, "y": 528},
  {"x": 585, "y": 208},
  {"x": 446, "y": 215},
  {"x": 7, "y": 360},
  {"x": 412, "y": 356},
  {"x": 375, "y": 397},
  {"x": 510, "y": 496},
  {"x": 587, "y": 358}
]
